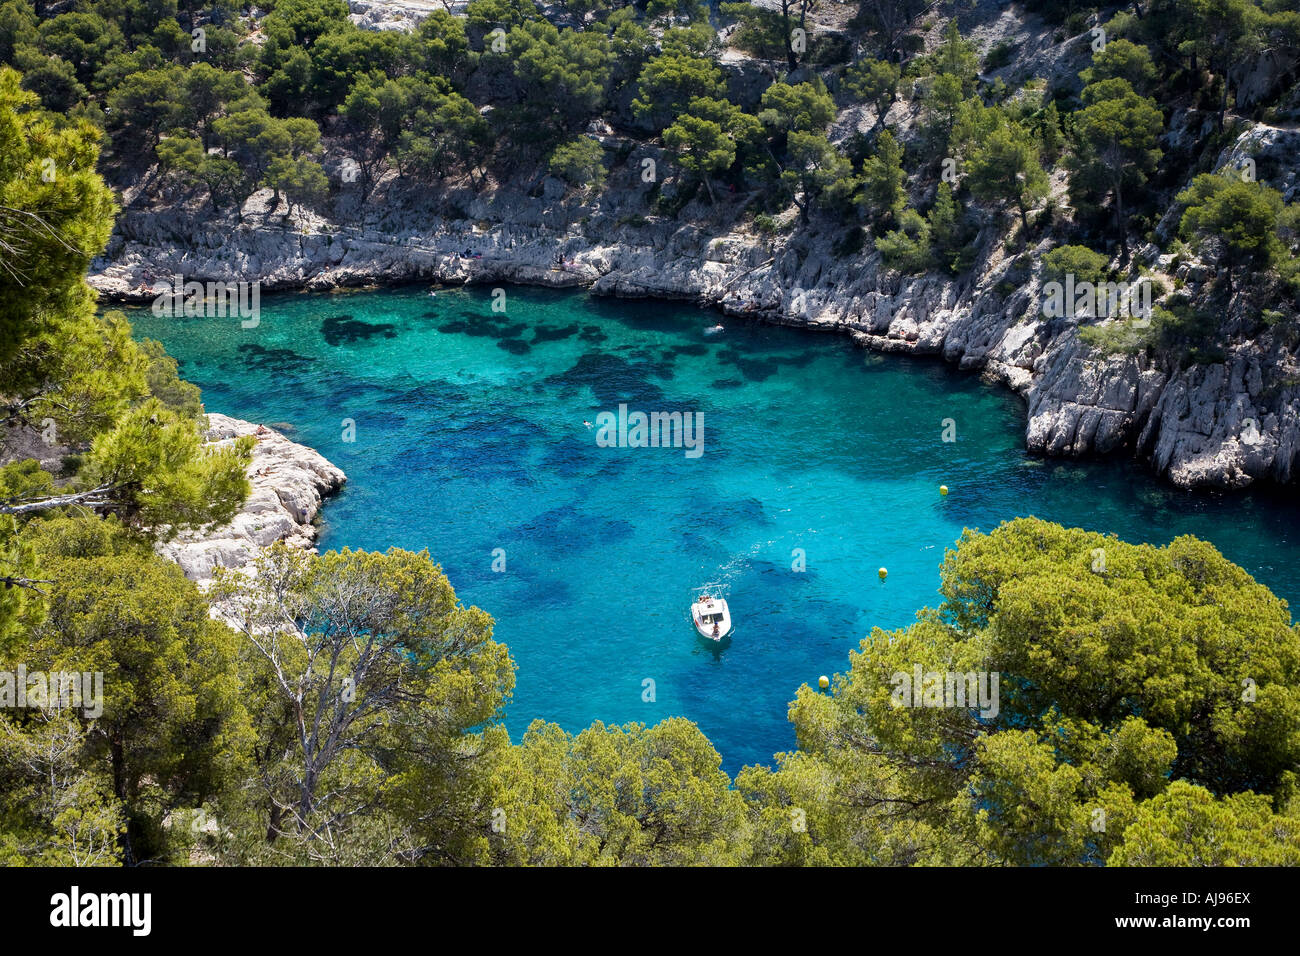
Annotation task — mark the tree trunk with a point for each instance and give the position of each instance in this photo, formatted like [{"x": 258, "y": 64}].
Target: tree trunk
[
  {"x": 273, "y": 823},
  {"x": 117, "y": 757},
  {"x": 803, "y": 25},
  {"x": 1120, "y": 224},
  {"x": 305, "y": 800},
  {"x": 791, "y": 60}
]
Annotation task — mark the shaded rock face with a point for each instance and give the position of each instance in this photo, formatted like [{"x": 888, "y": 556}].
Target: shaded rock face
[{"x": 289, "y": 482}]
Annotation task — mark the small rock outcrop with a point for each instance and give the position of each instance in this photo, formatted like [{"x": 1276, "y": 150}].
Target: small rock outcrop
[{"x": 289, "y": 482}]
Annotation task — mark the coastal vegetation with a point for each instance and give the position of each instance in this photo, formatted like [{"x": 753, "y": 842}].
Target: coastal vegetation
[
  {"x": 351, "y": 716},
  {"x": 209, "y": 103},
  {"x": 348, "y": 711}
]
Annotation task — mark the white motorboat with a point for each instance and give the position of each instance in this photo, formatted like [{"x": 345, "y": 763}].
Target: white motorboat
[{"x": 711, "y": 617}]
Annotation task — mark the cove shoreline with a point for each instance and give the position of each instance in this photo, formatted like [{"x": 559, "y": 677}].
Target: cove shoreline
[
  {"x": 1266, "y": 490},
  {"x": 422, "y": 423},
  {"x": 1190, "y": 425}
]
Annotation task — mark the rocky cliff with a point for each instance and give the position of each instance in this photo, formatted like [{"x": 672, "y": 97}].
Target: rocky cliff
[{"x": 1224, "y": 423}]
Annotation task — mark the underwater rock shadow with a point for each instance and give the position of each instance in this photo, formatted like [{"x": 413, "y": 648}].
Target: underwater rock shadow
[
  {"x": 614, "y": 380},
  {"x": 761, "y": 369},
  {"x": 260, "y": 357},
  {"x": 343, "y": 329},
  {"x": 554, "y": 333},
  {"x": 580, "y": 458},
  {"x": 567, "y": 530}
]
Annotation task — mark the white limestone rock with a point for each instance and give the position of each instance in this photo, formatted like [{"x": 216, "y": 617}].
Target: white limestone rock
[{"x": 289, "y": 482}]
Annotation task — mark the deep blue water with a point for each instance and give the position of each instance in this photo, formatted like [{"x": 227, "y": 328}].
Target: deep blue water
[{"x": 469, "y": 437}]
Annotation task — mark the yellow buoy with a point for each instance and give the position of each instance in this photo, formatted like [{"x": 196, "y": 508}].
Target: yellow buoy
[
  {"x": 883, "y": 574},
  {"x": 823, "y": 682},
  {"x": 943, "y": 489}
]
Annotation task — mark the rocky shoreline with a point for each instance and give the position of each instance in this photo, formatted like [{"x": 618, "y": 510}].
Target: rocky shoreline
[
  {"x": 1223, "y": 421},
  {"x": 1223, "y": 425},
  {"x": 289, "y": 483}
]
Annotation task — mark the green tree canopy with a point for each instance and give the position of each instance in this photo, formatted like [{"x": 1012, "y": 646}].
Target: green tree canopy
[
  {"x": 562, "y": 75},
  {"x": 1080, "y": 261},
  {"x": 1115, "y": 147},
  {"x": 1121, "y": 667},
  {"x": 579, "y": 162},
  {"x": 670, "y": 81},
  {"x": 1125, "y": 60},
  {"x": 1235, "y": 220},
  {"x": 173, "y": 731},
  {"x": 1187, "y": 826},
  {"x": 65, "y": 368},
  {"x": 806, "y": 107},
  {"x": 884, "y": 183},
  {"x": 307, "y": 20},
  {"x": 707, "y": 136},
  {"x": 629, "y": 796},
  {"x": 1005, "y": 169},
  {"x": 370, "y": 677},
  {"x": 875, "y": 82}
]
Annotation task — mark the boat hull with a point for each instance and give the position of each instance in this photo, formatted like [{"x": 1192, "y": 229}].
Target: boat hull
[{"x": 709, "y": 615}]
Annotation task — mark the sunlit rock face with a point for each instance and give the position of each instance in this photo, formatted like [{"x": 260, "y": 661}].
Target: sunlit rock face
[
  {"x": 403, "y": 15},
  {"x": 289, "y": 482}
]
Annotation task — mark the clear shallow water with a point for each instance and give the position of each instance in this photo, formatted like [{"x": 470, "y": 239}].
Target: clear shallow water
[{"x": 469, "y": 437}]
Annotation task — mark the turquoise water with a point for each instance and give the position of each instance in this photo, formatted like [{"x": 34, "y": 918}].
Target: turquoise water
[{"x": 469, "y": 437}]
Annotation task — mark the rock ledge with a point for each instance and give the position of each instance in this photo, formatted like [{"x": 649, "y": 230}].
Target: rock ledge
[{"x": 289, "y": 482}]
